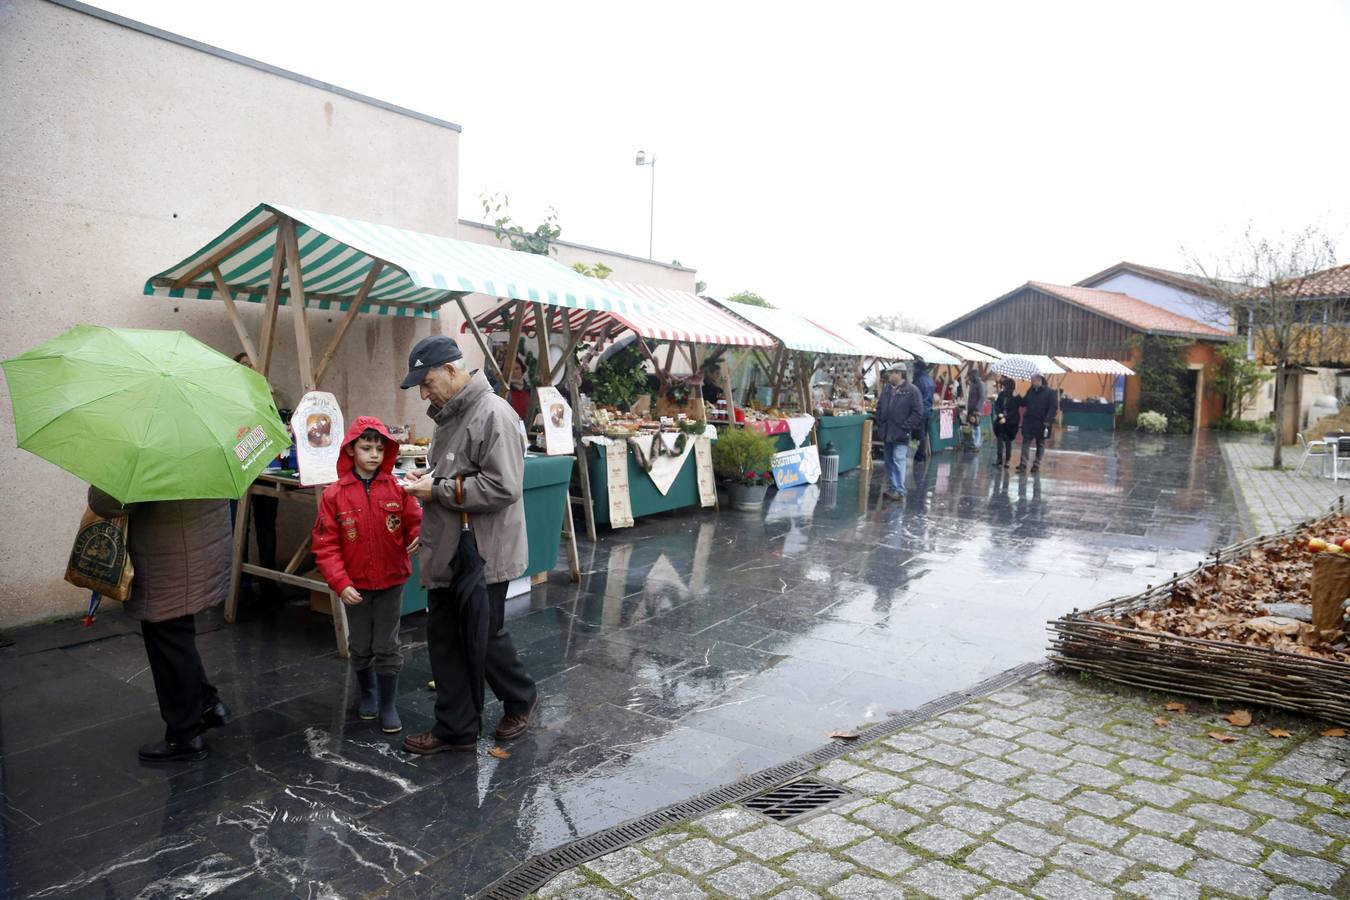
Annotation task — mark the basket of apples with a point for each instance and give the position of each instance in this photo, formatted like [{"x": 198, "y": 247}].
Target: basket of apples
[{"x": 1339, "y": 543}]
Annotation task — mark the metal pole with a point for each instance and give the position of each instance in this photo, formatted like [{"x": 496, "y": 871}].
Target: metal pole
[{"x": 651, "y": 208}]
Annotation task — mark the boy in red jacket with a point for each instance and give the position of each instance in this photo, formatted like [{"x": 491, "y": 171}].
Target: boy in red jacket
[{"x": 367, "y": 526}]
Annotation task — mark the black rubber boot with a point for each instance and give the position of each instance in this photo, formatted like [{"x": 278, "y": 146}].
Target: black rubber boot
[
  {"x": 389, "y": 721},
  {"x": 190, "y": 750},
  {"x": 368, "y": 705}
]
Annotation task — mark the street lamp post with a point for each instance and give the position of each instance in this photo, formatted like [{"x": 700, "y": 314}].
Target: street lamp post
[{"x": 644, "y": 160}]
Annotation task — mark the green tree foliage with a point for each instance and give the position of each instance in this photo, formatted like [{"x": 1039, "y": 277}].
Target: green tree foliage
[
  {"x": 744, "y": 455},
  {"x": 497, "y": 208},
  {"x": 619, "y": 380},
  {"x": 750, "y": 298},
  {"x": 1164, "y": 381},
  {"x": 1238, "y": 379},
  {"x": 593, "y": 270}
]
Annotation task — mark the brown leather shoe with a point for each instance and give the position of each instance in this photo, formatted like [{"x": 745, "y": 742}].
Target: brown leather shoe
[
  {"x": 512, "y": 727},
  {"x": 427, "y": 743}
]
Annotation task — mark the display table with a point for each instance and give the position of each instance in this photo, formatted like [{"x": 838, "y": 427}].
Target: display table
[
  {"x": 846, "y": 433},
  {"x": 545, "y": 494},
  {"x": 643, "y": 496},
  {"x": 1090, "y": 416}
]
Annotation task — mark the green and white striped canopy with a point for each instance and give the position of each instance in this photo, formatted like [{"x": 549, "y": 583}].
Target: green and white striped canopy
[
  {"x": 420, "y": 271},
  {"x": 791, "y": 330}
]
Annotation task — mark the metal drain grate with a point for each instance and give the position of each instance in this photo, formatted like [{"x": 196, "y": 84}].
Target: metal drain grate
[{"x": 783, "y": 804}]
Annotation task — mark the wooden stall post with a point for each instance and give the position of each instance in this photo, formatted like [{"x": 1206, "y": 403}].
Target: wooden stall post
[
  {"x": 269, "y": 325},
  {"x": 489, "y": 362},
  {"x": 512, "y": 348},
  {"x": 239, "y": 547},
  {"x": 232, "y": 313},
  {"x": 302, "y": 342}
]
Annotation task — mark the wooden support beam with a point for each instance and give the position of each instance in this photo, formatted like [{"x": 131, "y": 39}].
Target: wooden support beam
[
  {"x": 216, "y": 256},
  {"x": 232, "y": 313},
  {"x": 670, "y": 358},
  {"x": 269, "y": 325},
  {"x": 779, "y": 370},
  {"x": 572, "y": 338},
  {"x": 583, "y": 458},
  {"x": 302, "y": 343},
  {"x": 489, "y": 362},
  {"x": 542, "y": 327},
  {"x": 352, "y": 312},
  {"x": 512, "y": 345}
]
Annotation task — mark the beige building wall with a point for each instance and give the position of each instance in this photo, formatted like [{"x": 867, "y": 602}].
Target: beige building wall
[{"x": 121, "y": 153}]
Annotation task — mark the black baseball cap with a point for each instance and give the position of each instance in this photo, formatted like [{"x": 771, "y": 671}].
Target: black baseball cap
[{"x": 428, "y": 353}]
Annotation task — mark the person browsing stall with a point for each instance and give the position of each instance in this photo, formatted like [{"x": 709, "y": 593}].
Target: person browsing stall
[
  {"x": 478, "y": 437},
  {"x": 366, "y": 528},
  {"x": 899, "y": 414}
]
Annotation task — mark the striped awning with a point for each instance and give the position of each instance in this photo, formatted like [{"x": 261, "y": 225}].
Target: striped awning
[
  {"x": 1080, "y": 366},
  {"x": 682, "y": 317},
  {"x": 960, "y": 350},
  {"x": 791, "y": 330},
  {"x": 916, "y": 345},
  {"x": 1047, "y": 365},
  {"x": 985, "y": 349},
  {"x": 419, "y": 272},
  {"x": 868, "y": 344}
]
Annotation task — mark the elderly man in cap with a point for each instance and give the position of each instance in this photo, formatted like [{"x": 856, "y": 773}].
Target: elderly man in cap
[
  {"x": 899, "y": 415},
  {"x": 477, "y": 436}
]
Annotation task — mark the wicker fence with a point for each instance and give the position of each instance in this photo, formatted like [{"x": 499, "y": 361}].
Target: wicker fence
[{"x": 1198, "y": 667}]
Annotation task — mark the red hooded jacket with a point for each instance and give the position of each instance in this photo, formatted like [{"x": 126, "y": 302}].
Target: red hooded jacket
[{"x": 361, "y": 536}]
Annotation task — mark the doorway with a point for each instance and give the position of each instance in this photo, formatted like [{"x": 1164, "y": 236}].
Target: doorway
[{"x": 1192, "y": 384}]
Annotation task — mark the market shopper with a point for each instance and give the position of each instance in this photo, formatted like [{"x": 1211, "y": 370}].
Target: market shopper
[
  {"x": 927, "y": 387},
  {"x": 366, "y": 527},
  {"x": 181, "y": 550},
  {"x": 478, "y": 437},
  {"x": 1038, "y": 411},
  {"x": 976, "y": 394},
  {"x": 899, "y": 414},
  {"x": 1007, "y": 420}
]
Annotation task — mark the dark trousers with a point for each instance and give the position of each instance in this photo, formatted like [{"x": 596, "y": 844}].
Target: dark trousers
[
  {"x": 180, "y": 680},
  {"x": 1027, "y": 439},
  {"x": 372, "y": 630},
  {"x": 456, "y": 720},
  {"x": 1005, "y": 448}
]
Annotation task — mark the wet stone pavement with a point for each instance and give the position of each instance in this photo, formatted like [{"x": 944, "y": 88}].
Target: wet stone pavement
[{"x": 697, "y": 648}]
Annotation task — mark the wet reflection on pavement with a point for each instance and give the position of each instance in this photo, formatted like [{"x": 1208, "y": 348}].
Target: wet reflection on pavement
[{"x": 697, "y": 648}]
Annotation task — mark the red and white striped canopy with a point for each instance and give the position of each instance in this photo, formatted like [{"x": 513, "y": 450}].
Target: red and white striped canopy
[
  {"x": 1081, "y": 366},
  {"x": 674, "y": 316}
]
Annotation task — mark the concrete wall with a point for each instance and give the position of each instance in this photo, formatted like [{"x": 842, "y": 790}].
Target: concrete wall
[
  {"x": 122, "y": 153},
  {"x": 1170, "y": 298}
]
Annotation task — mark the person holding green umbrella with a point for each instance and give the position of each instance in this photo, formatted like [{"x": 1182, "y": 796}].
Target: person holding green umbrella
[{"x": 166, "y": 431}]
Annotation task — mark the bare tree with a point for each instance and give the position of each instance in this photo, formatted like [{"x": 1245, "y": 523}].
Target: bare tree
[
  {"x": 895, "y": 322},
  {"x": 1266, "y": 287}
]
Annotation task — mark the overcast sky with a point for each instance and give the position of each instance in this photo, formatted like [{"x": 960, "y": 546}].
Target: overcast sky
[{"x": 919, "y": 158}]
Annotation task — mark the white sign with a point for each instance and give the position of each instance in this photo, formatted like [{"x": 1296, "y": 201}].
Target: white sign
[
  {"x": 557, "y": 414},
  {"x": 792, "y": 468},
  {"x": 318, "y": 428}
]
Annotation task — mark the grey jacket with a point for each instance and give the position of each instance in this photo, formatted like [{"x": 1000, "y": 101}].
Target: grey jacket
[
  {"x": 899, "y": 412},
  {"x": 478, "y": 436},
  {"x": 181, "y": 553},
  {"x": 975, "y": 396}
]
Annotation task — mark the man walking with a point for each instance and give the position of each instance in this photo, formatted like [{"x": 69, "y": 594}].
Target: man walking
[
  {"x": 926, "y": 386},
  {"x": 976, "y": 394},
  {"x": 1039, "y": 408},
  {"x": 478, "y": 437},
  {"x": 899, "y": 414}
]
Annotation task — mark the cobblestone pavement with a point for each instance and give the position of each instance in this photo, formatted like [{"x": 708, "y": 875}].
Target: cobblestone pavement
[
  {"x": 1059, "y": 787},
  {"x": 1275, "y": 500}
]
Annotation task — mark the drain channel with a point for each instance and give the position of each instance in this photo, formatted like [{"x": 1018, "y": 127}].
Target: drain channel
[{"x": 794, "y": 800}]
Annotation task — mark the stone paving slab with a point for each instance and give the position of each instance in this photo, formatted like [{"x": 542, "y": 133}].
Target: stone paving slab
[
  {"x": 1154, "y": 811},
  {"x": 1275, "y": 500}
]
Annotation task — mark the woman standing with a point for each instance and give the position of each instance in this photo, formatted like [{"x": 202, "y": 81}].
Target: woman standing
[
  {"x": 181, "y": 551},
  {"x": 1007, "y": 419}
]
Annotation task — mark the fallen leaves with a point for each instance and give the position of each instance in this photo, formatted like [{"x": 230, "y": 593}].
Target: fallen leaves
[
  {"x": 1239, "y": 718},
  {"x": 843, "y": 734},
  {"x": 1161, "y": 722},
  {"x": 1223, "y": 738},
  {"x": 499, "y": 753},
  {"x": 1334, "y": 732},
  {"x": 1278, "y": 733},
  {"x": 1175, "y": 707}
]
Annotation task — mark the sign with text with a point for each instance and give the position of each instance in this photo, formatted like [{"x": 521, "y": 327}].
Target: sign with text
[
  {"x": 318, "y": 427},
  {"x": 557, "y": 415},
  {"x": 793, "y": 468}
]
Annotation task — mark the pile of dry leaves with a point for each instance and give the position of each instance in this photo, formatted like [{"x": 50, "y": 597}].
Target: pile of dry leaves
[{"x": 1229, "y": 602}]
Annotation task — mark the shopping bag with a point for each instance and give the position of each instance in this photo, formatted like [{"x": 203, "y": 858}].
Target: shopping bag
[{"x": 99, "y": 560}]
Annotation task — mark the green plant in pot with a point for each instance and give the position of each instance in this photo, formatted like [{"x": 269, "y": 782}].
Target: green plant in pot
[{"x": 743, "y": 460}]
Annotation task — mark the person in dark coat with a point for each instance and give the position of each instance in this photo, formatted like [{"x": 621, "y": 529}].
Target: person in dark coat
[
  {"x": 1039, "y": 407},
  {"x": 899, "y": 414},
  {"x": 1007, "y": 420},
  {"x": 976, "y": 394},
  {"x": 181, "y": 550},
  {"x": 927, "y": 388}
]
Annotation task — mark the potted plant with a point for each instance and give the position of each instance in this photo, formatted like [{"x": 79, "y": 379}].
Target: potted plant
[{"x": 743, "y": 461}]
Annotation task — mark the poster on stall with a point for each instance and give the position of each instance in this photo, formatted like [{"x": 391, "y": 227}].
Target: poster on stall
[
  {"x": 558, "y": 438},
  {"x": 946, "y": 424},
  {"x": 793, "y": 468},
  {"x": 318, "y": 426}
]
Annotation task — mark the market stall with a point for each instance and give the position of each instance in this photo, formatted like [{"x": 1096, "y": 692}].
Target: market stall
[
  {"x": 283, "y": 256},
  {"x": 851, "y": 434},
  {"x": 804, "y": 351},
  {"x": 944, "y": 428},
  {"x": 641, "y": 461},
  {"x": 972, "y": 360},
  {"x": 1093, "y": 392}
]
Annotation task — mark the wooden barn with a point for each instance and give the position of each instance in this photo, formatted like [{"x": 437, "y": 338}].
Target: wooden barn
[{"x": 1058, "y": 320}]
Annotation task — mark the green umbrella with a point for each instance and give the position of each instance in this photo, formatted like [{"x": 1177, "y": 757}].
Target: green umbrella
[{"x": 144, "y": 415}]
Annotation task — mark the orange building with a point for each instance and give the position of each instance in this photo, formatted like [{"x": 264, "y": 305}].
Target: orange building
[{"x": 1059, "y": 320}]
